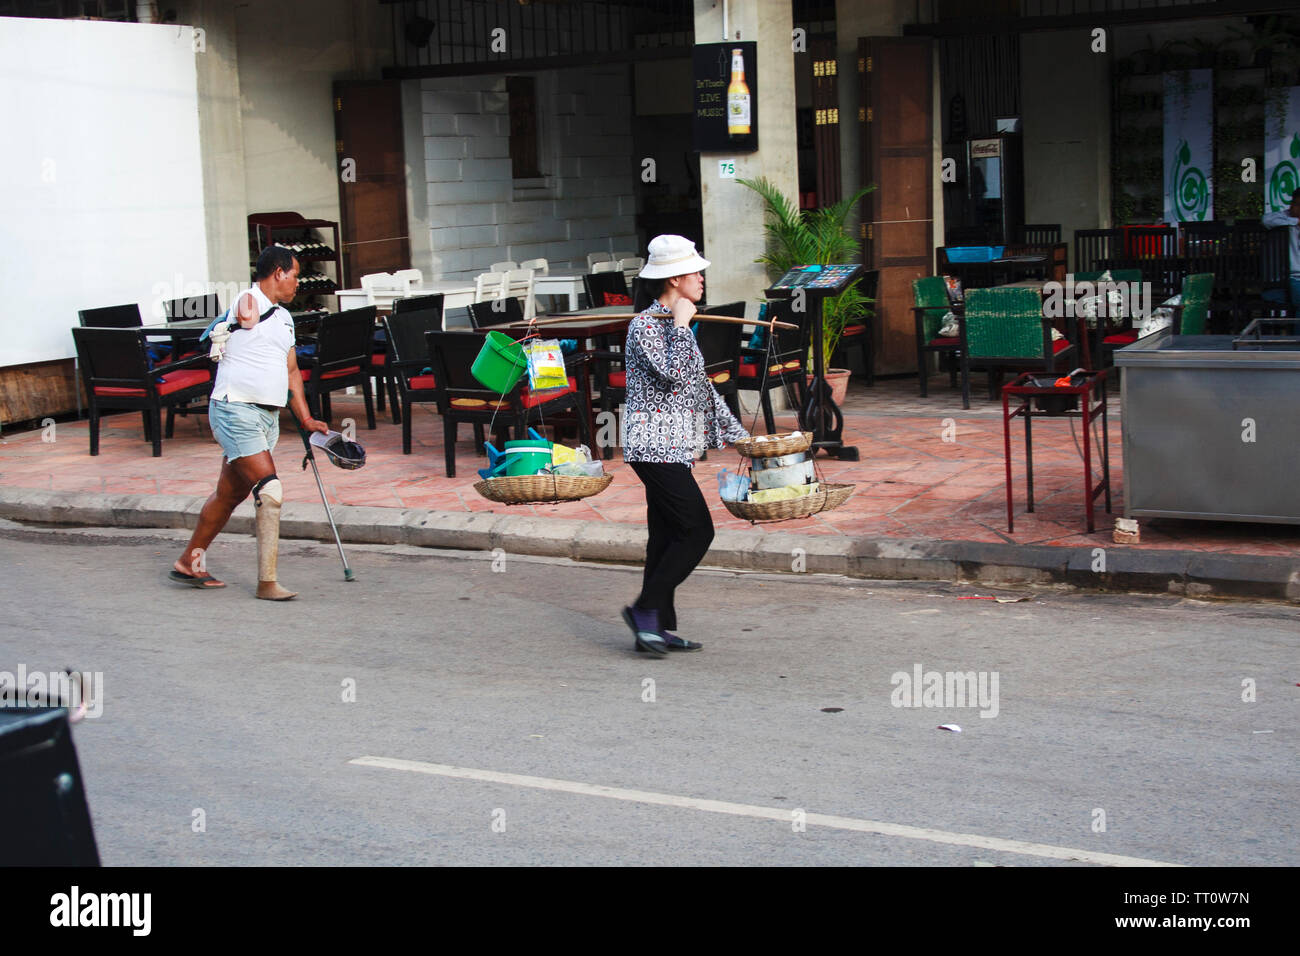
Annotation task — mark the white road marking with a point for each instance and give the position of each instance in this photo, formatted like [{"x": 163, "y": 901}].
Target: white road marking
[{"x": 762, "y": 813}]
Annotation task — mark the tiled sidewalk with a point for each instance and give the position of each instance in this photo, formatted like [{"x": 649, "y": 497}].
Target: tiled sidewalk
[{"x": 912, "y": 483}]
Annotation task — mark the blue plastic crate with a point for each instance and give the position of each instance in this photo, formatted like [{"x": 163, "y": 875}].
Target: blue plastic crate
[{"x": 973, "y": 253}]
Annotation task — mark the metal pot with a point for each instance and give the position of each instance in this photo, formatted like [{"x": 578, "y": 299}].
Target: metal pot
[{"x": 796, "y": 469}]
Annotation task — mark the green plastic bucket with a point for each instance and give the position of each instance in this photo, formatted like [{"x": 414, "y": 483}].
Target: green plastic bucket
[
  {"x": 527, "y": 457},
  {"x": 501, "y": 363}
]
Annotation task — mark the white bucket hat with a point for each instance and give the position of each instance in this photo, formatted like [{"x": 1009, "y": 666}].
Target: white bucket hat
[{"x": 672, "y": 256}]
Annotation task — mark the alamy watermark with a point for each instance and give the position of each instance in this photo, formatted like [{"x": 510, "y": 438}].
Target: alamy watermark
[
  {"x": 946, "y": 689},
  {"x": 1065, "y": 300},
  {"x": 82, "y": 692}
]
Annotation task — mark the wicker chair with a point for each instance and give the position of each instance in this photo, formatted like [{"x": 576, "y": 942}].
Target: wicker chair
[
  {"x": 1005, "y": 329},
  {"x": 930, "y": 296}
]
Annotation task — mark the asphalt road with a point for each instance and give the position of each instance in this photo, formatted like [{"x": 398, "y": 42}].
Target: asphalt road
[{"x": 1117, "y": 726}]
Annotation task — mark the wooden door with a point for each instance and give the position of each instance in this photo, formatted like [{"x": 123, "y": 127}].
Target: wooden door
[
  {"x": 372, "y": 186},
  {"x": 897, "y": 155},
  {"x": 826, "y": 119}
]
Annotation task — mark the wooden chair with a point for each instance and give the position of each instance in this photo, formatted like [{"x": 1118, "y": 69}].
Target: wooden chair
[
  {"x": 116, "y": 373},
  {"x": 608, "y": 283},
  {"x": 1040, "y": 234},
  {"x": 720, "y": 345},
  {"x": 194, "y": 307},
  {"x": 380, "y": 361},
  {"x": 930, "y": 305},
  {"x": 487, "y": 315},
  {"x": 1006, "y": 329},
  {"x": 786, "y": 364},
  {"x": 1193, "y": 309},
  {"x": 861, "y": 335},
  {"x": 463, "y": 399},
  {"x": 345, "y": 350},
  {"x": 410, "y": 365}
]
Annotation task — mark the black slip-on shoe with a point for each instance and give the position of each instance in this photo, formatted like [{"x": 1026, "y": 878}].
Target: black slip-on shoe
[
  {"x": 644, "y": 627},
  {"x": 676, "y": 643}
]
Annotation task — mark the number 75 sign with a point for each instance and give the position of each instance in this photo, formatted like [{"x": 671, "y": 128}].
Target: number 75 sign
[{"x": 726, "y": 169}]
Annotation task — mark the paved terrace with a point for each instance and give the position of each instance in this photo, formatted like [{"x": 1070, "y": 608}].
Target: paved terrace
[{"x": 912, "y": 484}]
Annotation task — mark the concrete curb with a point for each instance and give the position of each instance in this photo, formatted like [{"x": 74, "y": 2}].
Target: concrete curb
[{"x": 1119, "y": 568}]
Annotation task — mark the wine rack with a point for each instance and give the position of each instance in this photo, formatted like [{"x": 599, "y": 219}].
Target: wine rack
[{"x": 310, "y": 242}]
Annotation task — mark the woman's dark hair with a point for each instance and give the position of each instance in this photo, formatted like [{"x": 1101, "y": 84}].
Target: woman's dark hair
[
  {"x": 645, "y": 291},
  {"x": 272, "y": 258}
]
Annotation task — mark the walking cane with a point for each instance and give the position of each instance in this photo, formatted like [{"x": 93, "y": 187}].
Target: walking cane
[{"x": 310, "y": 457}]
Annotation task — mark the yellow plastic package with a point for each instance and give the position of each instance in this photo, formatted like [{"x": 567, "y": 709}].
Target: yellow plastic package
[{"x": 780, "y": 494}]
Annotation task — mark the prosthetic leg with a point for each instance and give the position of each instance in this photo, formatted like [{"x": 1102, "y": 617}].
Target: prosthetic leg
[{"x": 268, "y": 496}]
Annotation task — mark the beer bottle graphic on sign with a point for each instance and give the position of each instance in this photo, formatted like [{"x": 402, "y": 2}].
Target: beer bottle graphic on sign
[{"x": 737, "y": 97}]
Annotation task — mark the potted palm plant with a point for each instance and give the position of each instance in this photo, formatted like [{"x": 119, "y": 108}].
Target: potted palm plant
[{"x": 815, "y": 237}]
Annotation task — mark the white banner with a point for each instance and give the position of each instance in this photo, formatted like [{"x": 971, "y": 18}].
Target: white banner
[
  {"x": 1189, "y": 151},
  {"x": 1281, "y": 147}
]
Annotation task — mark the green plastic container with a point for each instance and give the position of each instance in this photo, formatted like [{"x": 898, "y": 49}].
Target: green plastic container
[
  {"x": 501, "y": 363},
  {"x": 527, "y": 457}
]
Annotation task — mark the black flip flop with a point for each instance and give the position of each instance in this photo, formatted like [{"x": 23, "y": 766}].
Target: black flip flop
[
  {"x": 194, "y": 581},
  {"x": 654, "y": 647}
]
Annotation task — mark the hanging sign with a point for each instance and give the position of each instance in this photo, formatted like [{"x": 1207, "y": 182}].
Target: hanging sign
[
  {"x": 726, "y": 97},
  {"x": 1189, "y": 151},
  {"x": 1281, "y": 147}
]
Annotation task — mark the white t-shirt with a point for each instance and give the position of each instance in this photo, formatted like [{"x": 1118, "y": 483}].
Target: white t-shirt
[
  {"x": 255, "y": 367},
  {"x": 1272, "y": 220}
]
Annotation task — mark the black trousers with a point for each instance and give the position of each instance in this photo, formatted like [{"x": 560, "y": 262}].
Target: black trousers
[{"x": 681, "y": 530}]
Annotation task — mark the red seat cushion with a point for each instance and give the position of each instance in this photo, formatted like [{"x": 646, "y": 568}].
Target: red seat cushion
[
  {"x": 529, "y": 399},
  {"x": 617, "y": 298},
  {"x": 186, "y": 355},
  {"x": 337, "y": 373},
  {"x": 422, "y": 381},
  {"x": 174, "y": 382},
  {"x": 751, "y": 370},
  {"x": 948, "y": 342},
  {"x": 1060, "y": 344},
  {"x": 618, "y": 379},
  {"x": 853, "y": 330},
  {"x": 379, "y": 358},
  {"x": 1121, "y": 338}
]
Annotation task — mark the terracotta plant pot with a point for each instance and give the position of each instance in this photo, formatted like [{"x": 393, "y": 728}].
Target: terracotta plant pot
[{"x": 838, "y": 380}]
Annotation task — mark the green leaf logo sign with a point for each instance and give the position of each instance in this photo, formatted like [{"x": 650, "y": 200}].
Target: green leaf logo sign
[
  {"x": 1191, "y": 189},
  {"x": 1285, "y": 179}
]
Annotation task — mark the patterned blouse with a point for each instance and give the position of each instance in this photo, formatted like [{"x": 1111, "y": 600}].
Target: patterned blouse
[{"x": 673, "y": 412}]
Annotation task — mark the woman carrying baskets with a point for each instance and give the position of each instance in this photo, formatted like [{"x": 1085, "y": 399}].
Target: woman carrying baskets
[{"x": 673, "y": 413}]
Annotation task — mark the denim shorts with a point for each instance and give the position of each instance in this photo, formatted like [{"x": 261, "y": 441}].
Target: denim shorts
[{"x": 243, "y": 429}]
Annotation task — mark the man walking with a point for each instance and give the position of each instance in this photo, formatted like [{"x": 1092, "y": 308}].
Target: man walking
[
  {"x": 1291, "y": 219},
  {"x": 255, "y": 375}
]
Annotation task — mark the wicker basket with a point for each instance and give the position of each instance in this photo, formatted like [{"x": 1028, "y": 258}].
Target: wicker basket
[
  {"x": 773, "y": 448},
  {"x": 530, "y": 489},
  {"x": 828, "y": 498}
]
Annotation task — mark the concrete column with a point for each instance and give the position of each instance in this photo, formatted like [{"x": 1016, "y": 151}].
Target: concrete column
[
  {"x": 221, "y": 139},
  {"x": 733, "y": 215},
  {"x": 1066, "y": 131}
]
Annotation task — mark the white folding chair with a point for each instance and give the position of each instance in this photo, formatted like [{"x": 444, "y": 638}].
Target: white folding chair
[
  {"x": 505, "y": 266},
  {"x": 519, "y": 284},
  {"x": 381, "y": 282},
  {"x": 540, "y": 266},
  {"x": 606, "y": 267},
  {"x": 631, "y": 266},
  {"x": 489, "y": 285},
  {"x": 623, "y": 255},
  {"x": 413, "y": 278},
  {"x": 594, "y": 257}
]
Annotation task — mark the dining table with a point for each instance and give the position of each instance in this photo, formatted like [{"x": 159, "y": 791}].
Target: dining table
[{"x": 456, "y": 294}]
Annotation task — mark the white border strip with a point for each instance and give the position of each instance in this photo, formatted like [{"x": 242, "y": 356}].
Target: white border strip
[{"x": 778, "y": 814}]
